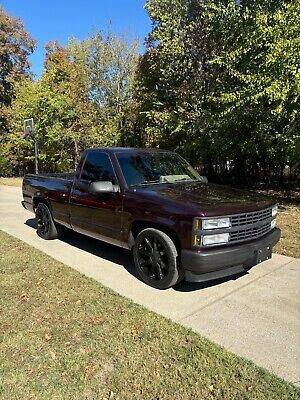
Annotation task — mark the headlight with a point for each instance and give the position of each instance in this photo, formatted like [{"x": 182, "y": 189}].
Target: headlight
[
  {"x": 220, "y": 238},
  {"x": 274, "y": 211},
  {"x": 215, "y": 223}
]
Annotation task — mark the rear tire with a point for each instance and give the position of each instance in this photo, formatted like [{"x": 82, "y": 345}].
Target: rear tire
[
  {"x": 156, "y": 259},
  {"x": 47, "y": 229}
]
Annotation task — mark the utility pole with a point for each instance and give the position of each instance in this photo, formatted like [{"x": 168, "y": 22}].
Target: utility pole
[{"x": 29, "y": 132}]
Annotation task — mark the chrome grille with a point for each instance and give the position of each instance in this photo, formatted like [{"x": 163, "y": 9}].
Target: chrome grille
[{"x": 251, "y": 217}]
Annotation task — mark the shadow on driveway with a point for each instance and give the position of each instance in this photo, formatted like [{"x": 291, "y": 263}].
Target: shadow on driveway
[{"x": 123, "y": 257}]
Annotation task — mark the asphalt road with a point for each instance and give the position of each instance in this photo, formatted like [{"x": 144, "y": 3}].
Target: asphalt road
[{"x": 256, "y": 315}]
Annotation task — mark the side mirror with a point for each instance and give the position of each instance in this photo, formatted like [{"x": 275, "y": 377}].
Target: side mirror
[
  {"x": 102, "y": 187},
  {"x": 203, "y": 179}
]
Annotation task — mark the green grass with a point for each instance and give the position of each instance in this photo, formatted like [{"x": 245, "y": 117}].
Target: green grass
[{"x": 65, "y": 336}]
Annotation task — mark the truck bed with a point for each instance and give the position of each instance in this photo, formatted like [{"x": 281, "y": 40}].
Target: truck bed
[
  {"x": 67, "y": 176},
  {"x": 57, "y": 186}
]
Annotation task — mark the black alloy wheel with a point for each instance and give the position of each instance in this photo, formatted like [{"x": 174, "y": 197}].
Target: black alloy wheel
[
  {"x": 155, "y": 257},
  {"x": 43, "y": 220},
  {"x": 46, "y": 227}
]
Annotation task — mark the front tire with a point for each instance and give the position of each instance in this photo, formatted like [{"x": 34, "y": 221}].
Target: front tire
[
  {"x": 156, "y": 259},
  {"x": 46, "y": 227}
]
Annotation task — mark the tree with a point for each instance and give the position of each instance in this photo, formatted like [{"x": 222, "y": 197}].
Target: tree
[
  {"x": 68, "y": 76},
  {"x": 74, "y": 105},
  {"x": 219, "y": 82},
  {"x": 257, "y": 98},
  {"x": 63, "y": 114},
  {"x": 15, "y": 47},
  {"x": 110, "y": 64},
  {"x": 172, "y": 79}
]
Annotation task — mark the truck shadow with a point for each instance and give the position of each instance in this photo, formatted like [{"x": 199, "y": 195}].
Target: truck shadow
[
  {"x": 123, "y": 257},
  {"x": 193, "y": 286},
  {"x": 99, "y": 249}
]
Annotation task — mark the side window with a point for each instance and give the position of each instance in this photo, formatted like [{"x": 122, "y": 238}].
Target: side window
[{"x": 97, "y": 167}]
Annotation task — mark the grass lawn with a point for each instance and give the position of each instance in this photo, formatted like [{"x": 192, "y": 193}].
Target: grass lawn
[
  {"x": 11, "y": 181},
  {"x": 288, "y": 221},
  {"x": 65, "y": 336}
]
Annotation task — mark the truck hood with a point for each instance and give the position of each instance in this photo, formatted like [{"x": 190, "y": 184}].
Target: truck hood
[{"x": 209, "y": 199}]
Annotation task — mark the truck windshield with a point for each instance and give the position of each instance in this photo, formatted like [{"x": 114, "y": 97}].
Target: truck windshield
[{"x": 151, "y": 168}]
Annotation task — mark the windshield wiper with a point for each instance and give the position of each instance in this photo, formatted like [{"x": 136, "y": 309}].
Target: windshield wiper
[
  {"x": 144, "y": 183},
  {"x": 183, "y": 179}
]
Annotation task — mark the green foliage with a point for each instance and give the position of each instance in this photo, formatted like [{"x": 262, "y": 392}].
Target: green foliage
[
  {"x": 220, "y": 78},
  {"x": 64, "y": 103},
  {"x": 110, "y": 65},
  {"x": 256, "y": 66},
  {"x": 5, "y": 165},
  {"x": 172, "y": 79},
  {"x": 15, "y": 47}
]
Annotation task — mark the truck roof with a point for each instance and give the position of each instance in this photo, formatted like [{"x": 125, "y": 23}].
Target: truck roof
[{"x": 127, "y": 149}]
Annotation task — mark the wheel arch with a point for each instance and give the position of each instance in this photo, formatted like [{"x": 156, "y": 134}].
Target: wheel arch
[
  {"x": 139, "y": 225},
  {"x": 39, "y": 199}
]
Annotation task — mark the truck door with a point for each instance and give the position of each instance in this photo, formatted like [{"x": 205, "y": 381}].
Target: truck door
[{"x": 96, "y": 215}]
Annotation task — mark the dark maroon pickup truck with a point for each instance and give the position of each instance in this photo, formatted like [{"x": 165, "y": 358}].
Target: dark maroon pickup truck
[{"x": 154, "y": 203}]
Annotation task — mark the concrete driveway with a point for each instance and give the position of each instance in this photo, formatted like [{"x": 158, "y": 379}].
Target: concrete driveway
[{"x": 256, "y": 316}]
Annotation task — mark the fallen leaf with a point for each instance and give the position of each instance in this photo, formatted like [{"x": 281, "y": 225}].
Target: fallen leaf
[
  {"x": 96, "y": 319},
  {"x": 52, "y": 355},
  {"x": 88, "y": 372},
  {"x": 24, "y": 298},
  {"x": 40, "y": 281},
  {"x": 156, "y": 374},
  {"x": 47, "y": 337},
  {"x": 135, "y": 332}
]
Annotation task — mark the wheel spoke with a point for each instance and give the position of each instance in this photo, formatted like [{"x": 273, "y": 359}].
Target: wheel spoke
[
  {"x": 163, "y": 265},
  {"x": 149, "y": 245},
  {"x": 144, "y": 252},
  {"x": 145, "y": 263},
  {"x": 151, "y": 270},
  {"x": 159, "y": 271},
  {"x": 43, "y": 220}
]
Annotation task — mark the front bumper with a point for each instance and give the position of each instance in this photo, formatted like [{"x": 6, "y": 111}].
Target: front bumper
[{"x": 208, "y": 264}]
